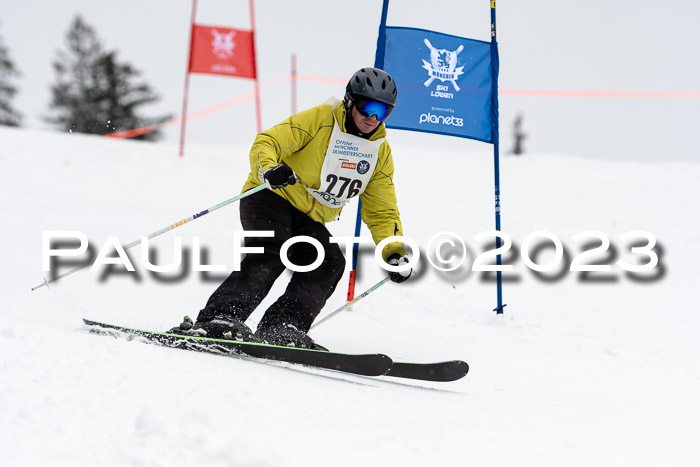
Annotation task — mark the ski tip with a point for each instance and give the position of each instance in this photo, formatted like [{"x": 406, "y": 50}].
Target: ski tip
[
  {"x": 383, "y": 364},
  {"x": 387, "y": 360},
  {"x": 460, "y": 368},
  {"x": 464, "y": 366},
  {"x": 437, "y": 371}
]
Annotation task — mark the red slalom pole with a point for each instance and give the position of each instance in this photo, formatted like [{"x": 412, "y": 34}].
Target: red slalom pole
[
  {"x": 255, "y": 62},
  {"x": 187, "y": 81},
  {"x": 294, "y": 83}
]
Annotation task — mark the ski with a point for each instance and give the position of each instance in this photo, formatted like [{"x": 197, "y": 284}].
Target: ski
[
  {"x": 365, "y": 365},
  {"x": 440, "y": 371}
]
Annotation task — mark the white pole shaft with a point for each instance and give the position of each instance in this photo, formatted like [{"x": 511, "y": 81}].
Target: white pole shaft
[
  {"x": 162, "y": 231},
  {"x": 357, "y": 299}
]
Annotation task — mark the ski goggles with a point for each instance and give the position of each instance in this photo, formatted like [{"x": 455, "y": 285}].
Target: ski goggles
[{"x": 374, "y": 108}]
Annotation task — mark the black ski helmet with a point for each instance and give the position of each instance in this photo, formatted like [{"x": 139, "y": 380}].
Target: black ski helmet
[{"x": 372, "y": 84}]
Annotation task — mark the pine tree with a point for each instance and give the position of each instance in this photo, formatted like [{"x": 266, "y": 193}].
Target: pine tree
[
  {"x": 94, "y": 93},
  {"x": 8, "y": 115}
]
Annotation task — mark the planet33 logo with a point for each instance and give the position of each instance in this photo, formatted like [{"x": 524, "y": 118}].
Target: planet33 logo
[{"x": 440, "y": 120}]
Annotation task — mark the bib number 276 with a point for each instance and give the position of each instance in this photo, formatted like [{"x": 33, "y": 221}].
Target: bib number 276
[{"x": 353, "y": 186}]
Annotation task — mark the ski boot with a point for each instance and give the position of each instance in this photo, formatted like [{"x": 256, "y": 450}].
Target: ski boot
[
  {"x": 221, "y": 327},
  {"x": 287, "y": 335}
]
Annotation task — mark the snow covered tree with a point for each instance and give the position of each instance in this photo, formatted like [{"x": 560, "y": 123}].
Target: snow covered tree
[
  {"x": 94, "y": 93},
  {"x": 8, "y": 115}
]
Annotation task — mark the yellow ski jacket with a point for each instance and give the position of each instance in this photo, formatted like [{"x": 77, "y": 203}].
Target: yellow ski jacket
[{"x": 301, "y": 142}]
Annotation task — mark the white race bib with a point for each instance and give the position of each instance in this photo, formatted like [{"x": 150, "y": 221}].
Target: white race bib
[{"x": 347, "y": 168}]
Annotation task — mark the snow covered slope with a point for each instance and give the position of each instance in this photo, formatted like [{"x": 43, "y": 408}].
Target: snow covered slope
[{"x": 592, "y": 369}]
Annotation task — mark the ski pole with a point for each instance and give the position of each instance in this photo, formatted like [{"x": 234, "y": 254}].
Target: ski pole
[
  {"x": 357, "y": 299},
  {"x": 162, "y": 231}
]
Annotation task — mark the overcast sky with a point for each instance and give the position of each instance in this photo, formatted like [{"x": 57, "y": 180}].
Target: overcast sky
[{"x": 597, "y": 45}]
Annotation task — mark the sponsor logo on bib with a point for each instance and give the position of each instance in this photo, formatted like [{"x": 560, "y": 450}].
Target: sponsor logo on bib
[{"x": 362, "y": 167}]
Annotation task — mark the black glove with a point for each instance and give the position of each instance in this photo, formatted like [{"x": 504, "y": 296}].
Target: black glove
[
  {"x": 280, "y": 176},
  {"x": 398, "y": 260}
]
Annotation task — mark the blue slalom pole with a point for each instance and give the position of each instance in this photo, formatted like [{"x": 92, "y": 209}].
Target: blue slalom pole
[
  {"x": 494, "y": 140},
  {"x": 378, "y": 63}
]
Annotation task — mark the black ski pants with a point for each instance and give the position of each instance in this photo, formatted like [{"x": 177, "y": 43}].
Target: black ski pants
[{"x": 240, "y": 294}]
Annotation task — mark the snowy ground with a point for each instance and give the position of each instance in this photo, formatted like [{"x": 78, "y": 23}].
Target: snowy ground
[{"x": 597, "y": 369}]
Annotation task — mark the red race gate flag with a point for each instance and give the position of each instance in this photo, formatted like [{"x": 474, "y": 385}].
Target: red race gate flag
[{"x": 222, "y": 51}]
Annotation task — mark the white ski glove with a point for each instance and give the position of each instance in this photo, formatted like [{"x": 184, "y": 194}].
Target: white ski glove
[{"x": 398, "y": 260}]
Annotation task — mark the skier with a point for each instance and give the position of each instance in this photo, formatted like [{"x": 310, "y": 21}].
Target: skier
[{"x": 314, "y": 161}]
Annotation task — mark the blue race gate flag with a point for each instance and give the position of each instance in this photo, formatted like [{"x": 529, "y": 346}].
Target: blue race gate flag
[{"x": 445, "y": 83}]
